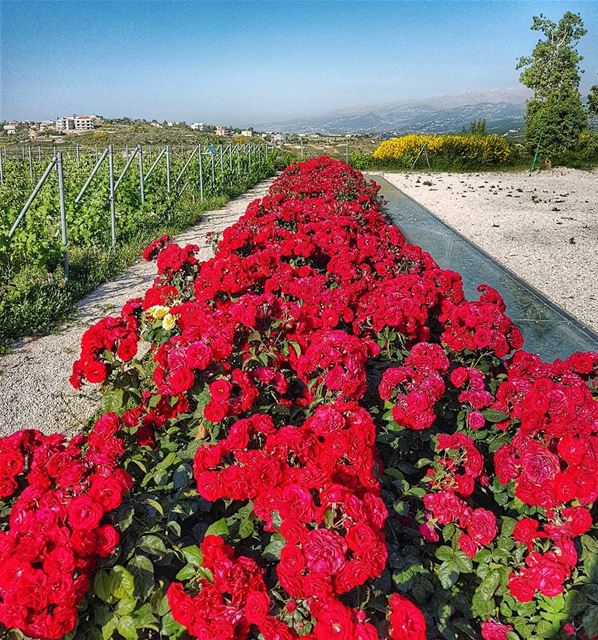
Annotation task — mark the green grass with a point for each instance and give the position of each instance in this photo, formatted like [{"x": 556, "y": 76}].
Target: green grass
[{"x": 35, "y": 303}]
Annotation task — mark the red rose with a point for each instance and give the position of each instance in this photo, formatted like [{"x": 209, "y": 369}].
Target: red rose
[
  {"x": 325, "y": 551},
  {"x": 220, "y": 390},
  {"x": 107, "y": 425},
  {"x": 181, "y": 605},
  {"x": 292, "y": 561},
  {"x": 60, "y": 560},
  {"x": 522, "y": 587},
  {"x": 539, "y": 464},
  {"x": 107, "y": 539},
  {"x": 495, "y": 630},
  {"x": 297, "y": 502},
  {"x": 180, "y": 381},
  {"x": 481, "y": 526},
  {"x": 579, "y": 520},
  {"x": 107, "y": 491},
  {"x": 7, "y": 487},
  {"x": 475, "y": 420},
  {"x": 84, "y": 513},
  {"x": 12, "y": 462},
  {"x": 361, "y": 538},
  {"x": 407, "y": 622},
  {"x": 467, "y": 545},
  {"x": 459, "y": 377},
  {"x": 334, "y": 621},
  {"x": 526, "y": 531},
  {"x": 96, "y": 372},
  {"x": 215, "y": 411},
  {"x": 127, "y": 349},
  {"x": 256, "y": 608}
]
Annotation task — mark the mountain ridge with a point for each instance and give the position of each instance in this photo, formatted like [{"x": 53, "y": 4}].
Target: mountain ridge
[{"x": 503, "y": 110}]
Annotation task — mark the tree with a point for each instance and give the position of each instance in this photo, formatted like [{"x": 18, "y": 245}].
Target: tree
[
  {"x": 555, "y": 115},
  {"x": 478, "y": 127},
  {"x": 593, "y": 100}
]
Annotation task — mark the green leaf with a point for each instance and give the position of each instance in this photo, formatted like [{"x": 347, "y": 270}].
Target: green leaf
[
  {"x": 193, "y": 555},
  {"x": 481, "y": 607},
  {"x": 113, "y": 400},
  {"x": 218, "y": 528},
  {"x": 108, "y": 628},
  {"x": 152, "y": 544},
  {"x": 493, "y": 415},
  {"x": 463, "y": 562},
  {"x": 122, "y": 583},
  {"x": 246, "y": 528},
  {"x": 546, "y": 629},
  {"x": 127, "y": 628},
  {"x": 276, "y": 519},
  {"x": 273, "y": 549},
  {"x": 101, "y": 585},
  {"x": 448, "y": 574},
  {"x": 142, "y": 570},
  {"x": 182, "y": 476},
  {"x": 126, "y": 606},
  {"x": 144, "y": 618},
  {"x": 170, "y": 627},
  {"x": 489, "y": 584},
  {"x": 590, "y": 621},
  {"x": 401, "y": 507},
  {"x": 589, "y": 555},
  {"x": 444, "y": 553},
  {"x": 187, "y": 572},
  {"x": 156, "y": 505},
  {"x": 296, "y": 347}
]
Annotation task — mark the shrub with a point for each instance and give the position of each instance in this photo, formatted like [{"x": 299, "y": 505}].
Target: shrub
[
  {"x": 446, "y": 151},
  {"x": 358, "y": 450}
]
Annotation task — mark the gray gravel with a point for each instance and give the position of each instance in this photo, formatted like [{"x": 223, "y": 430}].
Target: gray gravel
[
  {"x": 542, "y": 227},
  {"x": 35, "y": 391}
]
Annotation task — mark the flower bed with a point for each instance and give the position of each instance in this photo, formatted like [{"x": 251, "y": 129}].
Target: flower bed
[
  {"x": 446, "y": 151},
  {"x": 326, "y": 440}
]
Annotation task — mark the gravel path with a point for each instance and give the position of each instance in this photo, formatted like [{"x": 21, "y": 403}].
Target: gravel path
[
  {"x": 34, "y": 375},
  {"x": 543, "y": 227}
]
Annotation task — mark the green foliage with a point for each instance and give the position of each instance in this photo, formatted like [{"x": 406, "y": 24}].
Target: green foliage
[
  {"x": 33, "y": 295},
  {"x": 360, "y": 159},
  {"x": 593, "y": 100},
  {"x": 555, "y": 115},
  {"x": 478, "y": 127},
  {"x": 554, "y": 125}
]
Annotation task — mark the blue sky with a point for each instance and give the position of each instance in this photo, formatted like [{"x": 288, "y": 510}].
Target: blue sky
[{"x": 252, "y": 62}]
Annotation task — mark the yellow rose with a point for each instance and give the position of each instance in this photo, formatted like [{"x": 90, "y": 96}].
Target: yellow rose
[
  {"x": 168, "y": 322},
  {"x": 157, "y": 311}
]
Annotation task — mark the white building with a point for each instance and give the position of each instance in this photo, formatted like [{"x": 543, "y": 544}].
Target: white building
[
  {"x": 248, "y": 133},
  {"x": 10, "y": 129},
  {"x": 222, "y": 130},
  {"x": 76, "y": 123},
  {"x": 198, "y": 126},
  {"x": 65, "y": 124},
  {"x": 85, "y": 123}
]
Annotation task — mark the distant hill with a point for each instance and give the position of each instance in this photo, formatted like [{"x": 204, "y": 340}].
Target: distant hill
[{"x": 502, "y": 110}]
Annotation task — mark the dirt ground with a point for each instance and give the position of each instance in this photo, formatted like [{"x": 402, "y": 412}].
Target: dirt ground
[{"x": 543, "y": 227}]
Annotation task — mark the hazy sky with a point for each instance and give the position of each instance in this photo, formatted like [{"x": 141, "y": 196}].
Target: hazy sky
[{"x": 253, "y": 62}]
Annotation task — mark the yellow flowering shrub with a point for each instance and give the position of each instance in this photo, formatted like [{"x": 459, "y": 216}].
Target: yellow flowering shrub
[{"x": 458, "y": 151}]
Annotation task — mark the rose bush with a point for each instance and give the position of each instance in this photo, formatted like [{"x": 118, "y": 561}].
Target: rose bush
[{"x": 325, "y": 440}]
